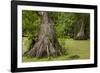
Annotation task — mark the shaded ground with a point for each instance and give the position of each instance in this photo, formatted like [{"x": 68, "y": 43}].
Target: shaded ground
[{"x": 76, "y": 49}]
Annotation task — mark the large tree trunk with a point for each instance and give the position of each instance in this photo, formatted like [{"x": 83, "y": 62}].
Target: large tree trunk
[
  {"x": 81, "y": 35},
  {"x": 47, "y": 44}
]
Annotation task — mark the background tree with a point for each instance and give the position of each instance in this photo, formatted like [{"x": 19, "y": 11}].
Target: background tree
[{"x": 82, "y": 21}]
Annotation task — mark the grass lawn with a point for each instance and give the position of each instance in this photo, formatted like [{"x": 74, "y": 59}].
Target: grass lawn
[{"x": 76, "y": 49}]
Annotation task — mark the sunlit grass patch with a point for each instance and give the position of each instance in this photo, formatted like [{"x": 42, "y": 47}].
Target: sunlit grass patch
[{"x": 76, "y": 49}]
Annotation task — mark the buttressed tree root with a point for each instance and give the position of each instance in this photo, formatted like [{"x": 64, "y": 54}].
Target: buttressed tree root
[{"x": 47, "y": 44}]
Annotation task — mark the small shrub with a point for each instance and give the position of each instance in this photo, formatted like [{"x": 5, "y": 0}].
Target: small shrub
[{"x": 74, "y": 57}]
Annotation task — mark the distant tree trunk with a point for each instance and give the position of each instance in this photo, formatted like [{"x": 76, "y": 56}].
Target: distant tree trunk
[
  {"x": 47, "y": 44},
  {"x": 81, "y": 35}
]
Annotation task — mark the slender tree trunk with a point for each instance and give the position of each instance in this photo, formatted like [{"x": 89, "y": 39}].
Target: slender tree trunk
[
  {"x": 81, "y": 35},
  {"x": 47, "y": 44}
]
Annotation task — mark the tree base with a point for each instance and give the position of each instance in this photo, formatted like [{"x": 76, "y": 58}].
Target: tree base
[
  {"x": 80, "y": 36},
  {"x": 45, "y": 48}
]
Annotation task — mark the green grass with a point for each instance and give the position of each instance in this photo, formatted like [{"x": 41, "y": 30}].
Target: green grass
[
  {"x": 76, "y": 49},
  {"x": 25, "y": 44},
  {"x": 79, "y": 47}
]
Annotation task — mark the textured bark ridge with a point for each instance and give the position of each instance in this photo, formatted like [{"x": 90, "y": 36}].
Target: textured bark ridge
[{"x": 47, "y": 44}]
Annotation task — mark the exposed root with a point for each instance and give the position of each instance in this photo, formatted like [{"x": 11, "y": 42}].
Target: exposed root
[{"x": 45, "y": 48}]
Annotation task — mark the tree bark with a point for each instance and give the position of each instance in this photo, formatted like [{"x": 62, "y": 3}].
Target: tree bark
[
  {"x": 47, "y": 44},
  {"x": 81, "y": 35}
]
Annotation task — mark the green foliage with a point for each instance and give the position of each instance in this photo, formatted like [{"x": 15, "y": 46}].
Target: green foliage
[
  {"x": 65, "y": 24},
  {"x": 30, "y": 23}
]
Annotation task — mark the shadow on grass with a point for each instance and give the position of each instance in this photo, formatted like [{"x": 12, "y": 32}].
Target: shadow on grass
[{"x": 74, "y": 57}]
